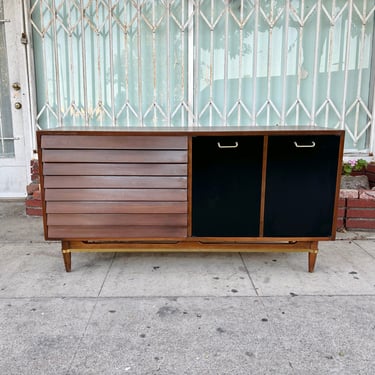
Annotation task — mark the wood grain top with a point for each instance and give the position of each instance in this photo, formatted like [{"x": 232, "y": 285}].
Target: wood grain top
[{"x": 207, "y": 131}]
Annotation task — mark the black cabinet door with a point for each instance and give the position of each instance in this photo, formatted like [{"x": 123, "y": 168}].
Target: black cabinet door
[
  {"x": 301, "y": 185},
  {"x": 226, "y": 186}
]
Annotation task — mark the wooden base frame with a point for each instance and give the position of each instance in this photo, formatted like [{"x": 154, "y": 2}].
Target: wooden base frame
[{"x": 311, "y": 247}]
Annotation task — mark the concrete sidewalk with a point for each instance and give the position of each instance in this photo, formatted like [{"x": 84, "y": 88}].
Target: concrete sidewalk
[{"x": 236, "y": 313}]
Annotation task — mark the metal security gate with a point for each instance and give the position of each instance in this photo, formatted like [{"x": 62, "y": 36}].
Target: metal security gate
[{"x": 206, "y": 63}]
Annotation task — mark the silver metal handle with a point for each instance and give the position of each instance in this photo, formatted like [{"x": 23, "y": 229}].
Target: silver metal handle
[
  {"x": 305, "y": 146},
  {"x": 229, "y": 146}
]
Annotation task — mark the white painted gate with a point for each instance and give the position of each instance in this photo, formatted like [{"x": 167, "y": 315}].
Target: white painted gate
[{"x": 206, "y": 63}]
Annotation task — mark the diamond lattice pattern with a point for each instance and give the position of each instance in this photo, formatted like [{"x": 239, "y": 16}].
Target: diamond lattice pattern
[{"x": 205, "y": 63}]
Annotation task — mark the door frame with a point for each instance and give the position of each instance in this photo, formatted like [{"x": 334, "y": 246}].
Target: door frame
[{"x": 17, "y": 169}]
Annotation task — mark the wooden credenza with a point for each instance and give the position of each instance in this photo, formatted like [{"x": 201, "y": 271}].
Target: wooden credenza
[{"x": 190, "y": 189}]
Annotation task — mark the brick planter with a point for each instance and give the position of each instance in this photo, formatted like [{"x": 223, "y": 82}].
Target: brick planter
[
  {"x": 33, "y": 201},
  {"x": 356, "y": 210},
  {"x": 341, "y": 214},
  {"x": 360, "y": 214},
  {"x": 370, "y": 172}
]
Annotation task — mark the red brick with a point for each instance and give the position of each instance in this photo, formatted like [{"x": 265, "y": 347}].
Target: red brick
[
  {"x": 348, "y": 193},
  {"x": 35, "y": 169},
  {"x": 33, "y": 211},
  {"x": 361, "y": 203},
  {"x": 36, "y": 195},
  {"x": 33, "y": 203},
  {"x": 341, "y": 212},
  {"x": 31, "y": 188},
  {"x": 352, "y": 223},
  {"x": 367, "y": 194},
  {"x": 370, "y": 173},
  {"x": 340, "y": 223},
  {"x": 367, "y": 213},
  {"x": 35, "y": 178},
  {"x": 342, "y": 202},
  {"x": 371, "y": 167}
]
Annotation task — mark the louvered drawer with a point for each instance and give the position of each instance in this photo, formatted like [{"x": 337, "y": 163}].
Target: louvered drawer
[{"x": 114, "y": 187}]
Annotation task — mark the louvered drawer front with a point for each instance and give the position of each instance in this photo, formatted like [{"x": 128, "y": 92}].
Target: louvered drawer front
[{"x": 115, "y": 187}]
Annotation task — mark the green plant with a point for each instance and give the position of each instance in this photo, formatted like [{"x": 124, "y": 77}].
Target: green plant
[{"x": 354, "y": 166}]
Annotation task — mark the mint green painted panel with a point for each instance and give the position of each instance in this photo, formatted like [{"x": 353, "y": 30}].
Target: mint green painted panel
[{"x": 219, "y": 63}]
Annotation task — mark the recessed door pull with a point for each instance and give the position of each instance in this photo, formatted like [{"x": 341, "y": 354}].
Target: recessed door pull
[
  {"x": 305, "y": 146},
  {"x": 228, "y": 146}
]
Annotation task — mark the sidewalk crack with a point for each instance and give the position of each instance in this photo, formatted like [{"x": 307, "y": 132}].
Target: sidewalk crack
[
  {"x": 89, "y": 319},
  {"x": 249, "y": 276}
]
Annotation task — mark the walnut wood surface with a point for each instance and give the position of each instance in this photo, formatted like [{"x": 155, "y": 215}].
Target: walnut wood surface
[
  {"x": 136, "y": 186},
  {"x": 113, "y": 142},
  {"x": 116, "y": 194},
  {"x": 114, "y": 156},
  {"x": 191, "y": 131},
  {"x": 135, "y": 207},
  {"x": 108, "y": 169},
  {"x": 118, "y": 219},
  {"x": 99, "y": 232},
  {"x": 145, "y": 182}
]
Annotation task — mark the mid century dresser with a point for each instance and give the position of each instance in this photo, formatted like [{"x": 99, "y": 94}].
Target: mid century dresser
[{"x": 190, "y": 189}]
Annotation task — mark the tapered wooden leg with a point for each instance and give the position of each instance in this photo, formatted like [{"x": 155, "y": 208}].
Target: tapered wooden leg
[
  {"x": 67, "y": 255},
  {"x": 313, "y": 255},
  {"x": 312, "y": 260}
]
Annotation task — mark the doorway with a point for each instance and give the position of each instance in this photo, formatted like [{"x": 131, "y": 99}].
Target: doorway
[{"x": 15, "y": 128}]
